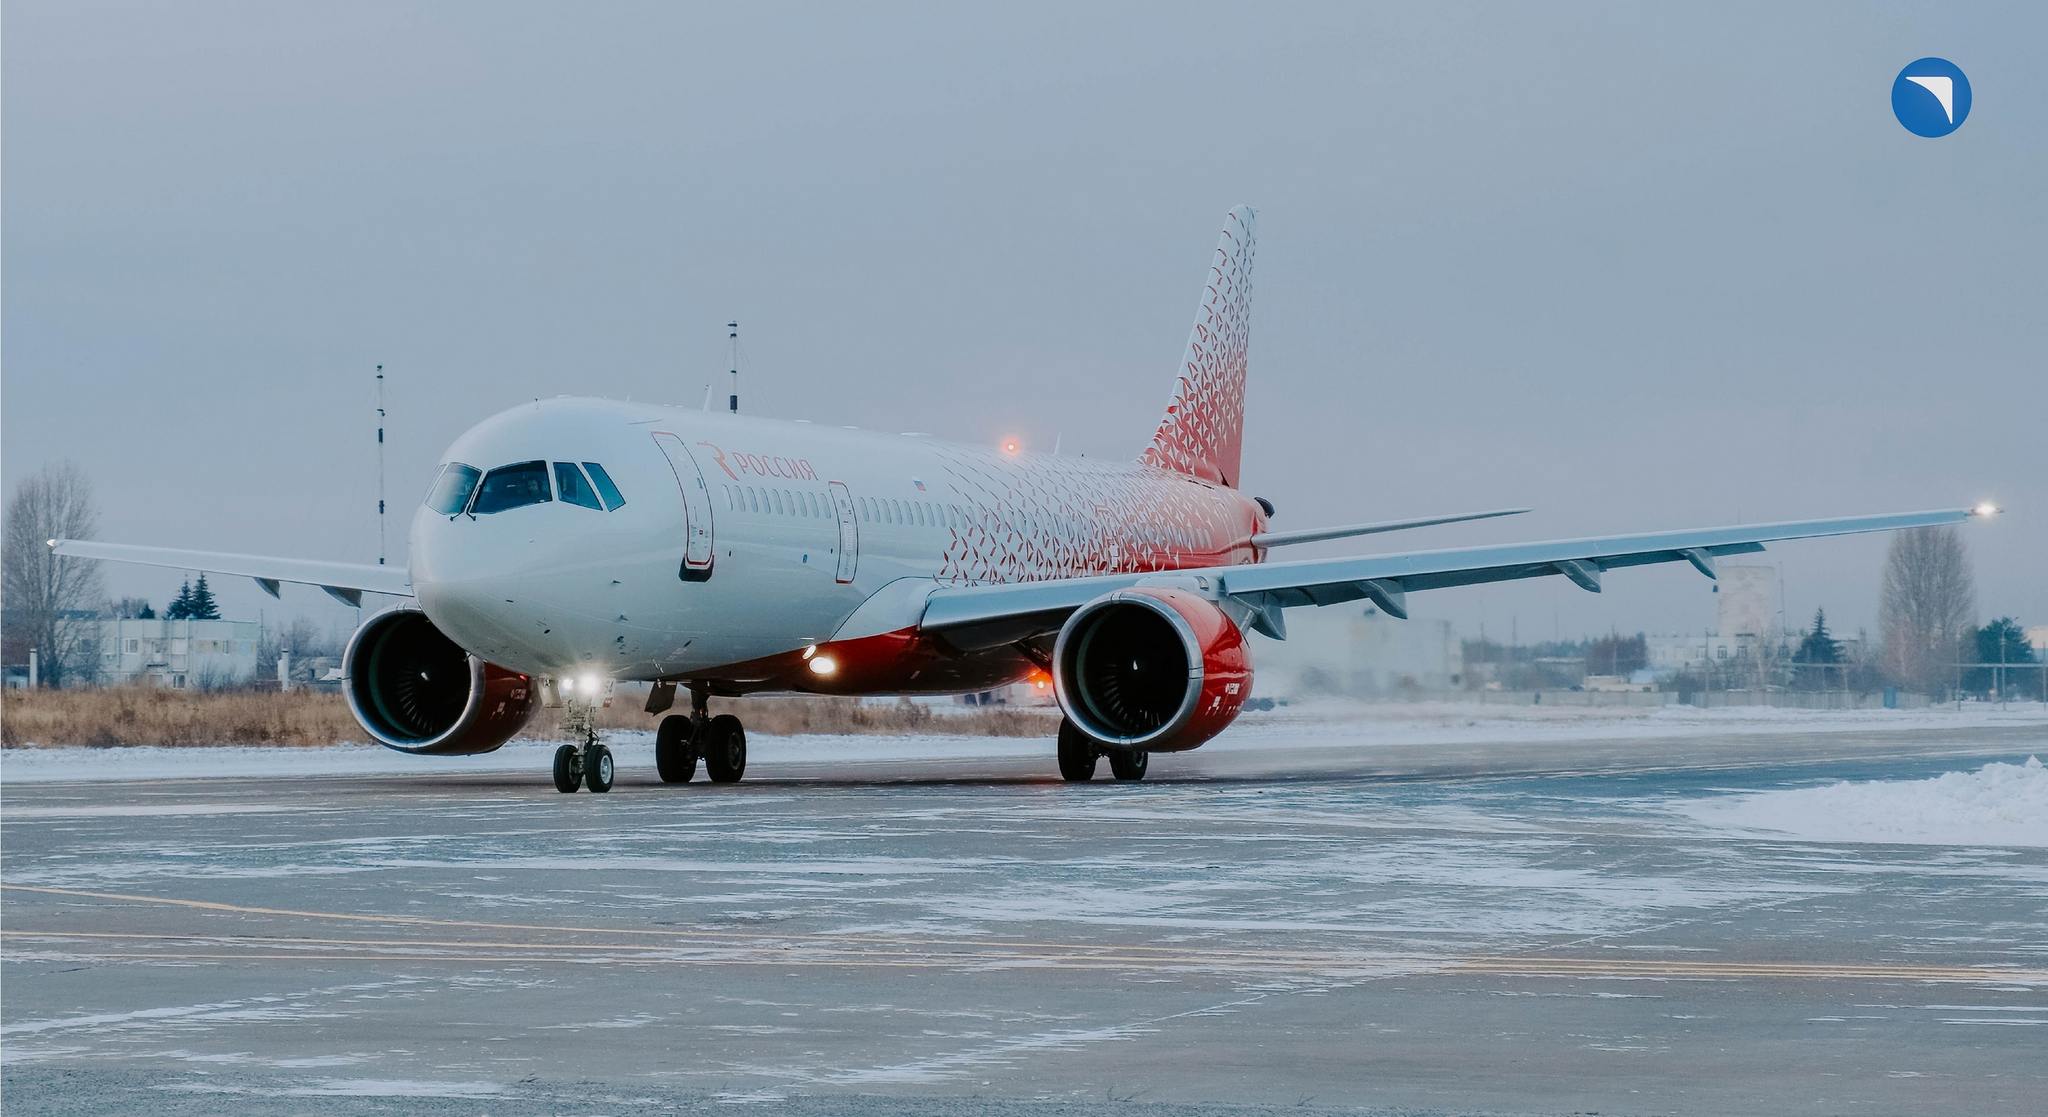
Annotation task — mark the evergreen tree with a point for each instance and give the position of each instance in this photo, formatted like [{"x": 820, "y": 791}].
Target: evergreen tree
[
  {"x": 1819, "y": 647},
  {"x": 202, "y": 607},
  {"x": 2001, "y": 641},
  {"x": 180, "y": 607}
]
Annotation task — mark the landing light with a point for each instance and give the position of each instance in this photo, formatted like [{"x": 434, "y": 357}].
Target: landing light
[
  {"x": 823, "y": 665},
  {"x": 589, "y": 684},
  {"x": 1985, "y": 509}
]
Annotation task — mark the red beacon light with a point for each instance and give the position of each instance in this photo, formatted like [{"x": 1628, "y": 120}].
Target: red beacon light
[{"x": 1011, "y": 446}]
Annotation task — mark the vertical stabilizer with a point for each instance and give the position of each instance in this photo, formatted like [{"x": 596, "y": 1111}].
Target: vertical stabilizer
[{"x": 1203, "y": 431}]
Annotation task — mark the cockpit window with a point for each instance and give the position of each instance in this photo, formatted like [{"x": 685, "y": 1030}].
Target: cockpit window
[
  {"x": 450, "y": 494},
  {"x": 574, "y": 489},
  {"x": 513, "y": 486},
  {"x": 605, "y": 488}
]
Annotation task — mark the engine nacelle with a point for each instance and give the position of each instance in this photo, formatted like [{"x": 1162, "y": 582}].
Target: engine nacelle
[
  {"x": 415, "y": 690},
  {"x": 1157, "y": 669}
]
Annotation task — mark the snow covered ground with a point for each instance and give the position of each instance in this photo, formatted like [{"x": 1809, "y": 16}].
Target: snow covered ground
[
  {"x": 1316, "y": 725},
  {"x": 1998, "y": 805}
]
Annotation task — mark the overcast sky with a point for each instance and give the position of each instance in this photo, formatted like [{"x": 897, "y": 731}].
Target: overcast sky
[{"x": 1636, "y": 266}]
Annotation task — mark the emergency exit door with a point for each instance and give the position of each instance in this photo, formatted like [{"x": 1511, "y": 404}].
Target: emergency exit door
[{"x": 698, "y": 549}]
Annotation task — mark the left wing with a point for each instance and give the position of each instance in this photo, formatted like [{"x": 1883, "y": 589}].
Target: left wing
[
  {"x": 344, "y": 581},
  {"x": 974, "y": 617}
]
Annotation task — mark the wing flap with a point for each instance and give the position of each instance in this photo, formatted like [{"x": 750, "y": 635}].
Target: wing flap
[{"x": 345, "y": 581}]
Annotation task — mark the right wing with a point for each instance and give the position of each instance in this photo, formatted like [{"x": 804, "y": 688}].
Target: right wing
[
  {"x": 344, "y": 581},
  {"x": 973, "y": 617}
]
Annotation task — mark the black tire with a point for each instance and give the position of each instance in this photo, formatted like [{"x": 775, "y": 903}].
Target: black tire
[
  {"x": 597, "y": 769},
  {"x": 675, "y": 757},
  {"x": 1129, "y": 764},
  {"x": 568, "y": 769},
  {"x": 1077, "y": 753},
  {"x": 725, "y": 749}
]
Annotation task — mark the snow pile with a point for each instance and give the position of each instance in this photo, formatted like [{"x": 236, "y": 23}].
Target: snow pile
[
  {"x": 1998, "y": 804},
  {"x": 1343, "y": 723}
]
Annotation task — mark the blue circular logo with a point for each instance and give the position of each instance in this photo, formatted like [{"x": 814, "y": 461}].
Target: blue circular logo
[{"x": 1931, "y": 97}]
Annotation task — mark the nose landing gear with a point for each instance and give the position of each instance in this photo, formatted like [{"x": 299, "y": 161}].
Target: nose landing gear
[{"x": 589, "y": 764}]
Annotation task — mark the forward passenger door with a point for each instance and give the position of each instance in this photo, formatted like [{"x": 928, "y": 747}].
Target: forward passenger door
[{"x": 698, "y": 548}]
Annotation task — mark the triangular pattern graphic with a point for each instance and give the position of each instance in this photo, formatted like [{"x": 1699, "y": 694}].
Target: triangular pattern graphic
[{"x": 1202, "y": 434}]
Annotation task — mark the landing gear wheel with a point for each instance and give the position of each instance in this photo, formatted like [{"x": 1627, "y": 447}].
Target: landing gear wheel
[
  {"x": 597, "y": 768},
  {"x": 1129, "y": 764},
  {"x": 725, "y": 749},
  {"x": 1077, "y": 753},
  {"x": 675, "y": 755},
  {"x": 568, "y": 769}
]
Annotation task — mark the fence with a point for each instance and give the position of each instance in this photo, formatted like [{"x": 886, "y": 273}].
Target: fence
[{"x": 1800, "y": 700}]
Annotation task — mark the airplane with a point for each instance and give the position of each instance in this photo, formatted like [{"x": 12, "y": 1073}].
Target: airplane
[{"x": 571, "y": 544}]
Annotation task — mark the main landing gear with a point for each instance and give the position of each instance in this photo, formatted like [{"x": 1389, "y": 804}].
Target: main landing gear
[
  {"x": 1078, "y": 753},
  {"x": 720, "y": 741}
]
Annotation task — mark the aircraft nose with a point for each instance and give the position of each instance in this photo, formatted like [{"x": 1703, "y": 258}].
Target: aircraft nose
[{"x": 468, "y": 582}]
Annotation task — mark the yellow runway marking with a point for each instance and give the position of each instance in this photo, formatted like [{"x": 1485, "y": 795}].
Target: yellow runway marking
[
  {"x": 750, "y": 937},
  {"x": 1078, "y": 956},
  {"x": 855, "y": 951}
]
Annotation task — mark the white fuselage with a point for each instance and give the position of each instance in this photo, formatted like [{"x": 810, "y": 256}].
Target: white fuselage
[{"x": 795, "y": 528}]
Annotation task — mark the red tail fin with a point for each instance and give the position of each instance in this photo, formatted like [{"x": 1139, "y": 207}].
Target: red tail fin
[{"x": 1203, "y": 431}]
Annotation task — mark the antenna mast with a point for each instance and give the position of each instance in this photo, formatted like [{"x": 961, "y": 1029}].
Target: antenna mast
[
  {"x": 734, "y": 400},
  {"x": 380, "y": 465}
]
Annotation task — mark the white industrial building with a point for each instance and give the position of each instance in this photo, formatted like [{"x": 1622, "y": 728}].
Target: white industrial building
[
  {"x": 1358, "y": 651},
  {"x": 1751, "y": 626},
  {"x": 177, "y": 654}
]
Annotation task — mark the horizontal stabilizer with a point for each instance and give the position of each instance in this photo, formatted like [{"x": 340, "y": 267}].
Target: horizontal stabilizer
[
  {"x": 346, "y": 581},
  {"x": 1318, "y": 534}
]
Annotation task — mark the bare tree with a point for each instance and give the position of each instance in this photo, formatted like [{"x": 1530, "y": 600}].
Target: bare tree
[
  {"x": 49, "y": 597},
  {"x": 1930, "y": 600}
]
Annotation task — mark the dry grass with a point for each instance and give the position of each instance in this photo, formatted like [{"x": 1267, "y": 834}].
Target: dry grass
[
  {"x": 143, "y": 715},
  {"x": 124, "y": 716}
]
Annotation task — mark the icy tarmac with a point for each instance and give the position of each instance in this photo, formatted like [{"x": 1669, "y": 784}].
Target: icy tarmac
[{"x": 1777, "y": 913}]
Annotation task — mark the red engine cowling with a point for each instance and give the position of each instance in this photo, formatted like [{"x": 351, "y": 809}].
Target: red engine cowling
[
  {"x": 415, "y": 690},
  {"x": 1157, "y": 669}
]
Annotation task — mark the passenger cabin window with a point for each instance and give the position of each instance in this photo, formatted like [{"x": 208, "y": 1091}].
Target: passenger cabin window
[
  {"x": 610, "y": 492},
  {"x": 450, "y": 494},
  {"x": 569, "y": 482},
  {"x": 513, "y": 486}
]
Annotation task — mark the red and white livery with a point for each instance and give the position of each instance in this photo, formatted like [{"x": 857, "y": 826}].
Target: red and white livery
[{"x": 573, "y": 543}]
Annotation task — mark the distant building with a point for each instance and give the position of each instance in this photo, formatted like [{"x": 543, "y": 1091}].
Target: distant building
[
  {"x": 1750, "y": 631},
  {"x": 1753, "y": 646},
  {"x": 2037, "y": 639},
  {"x": 1034, "y": 691},
  {"x": 177, "y": 654},
  {"x": 1679, "y": 653},
  {"x": 1747, "y": 601},
  {"x": 1358, "y": 651}
]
